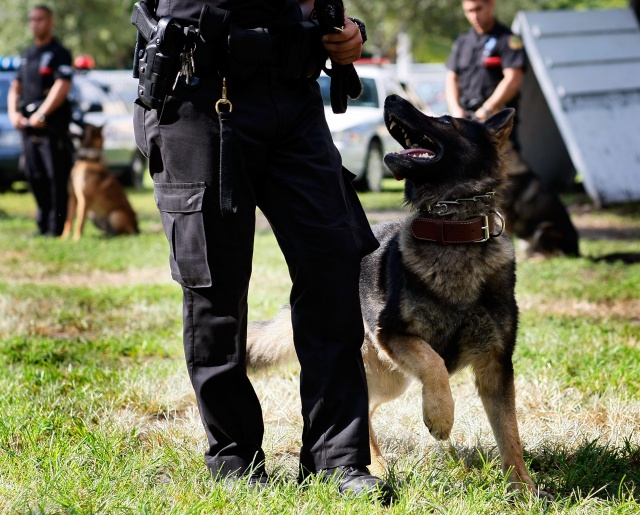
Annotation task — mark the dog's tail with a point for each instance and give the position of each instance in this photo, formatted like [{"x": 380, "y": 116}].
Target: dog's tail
[{"x": 270, "y": 342}]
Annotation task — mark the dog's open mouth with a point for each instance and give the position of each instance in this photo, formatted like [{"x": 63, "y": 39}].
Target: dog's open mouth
[
  {"x": 416, "y": 146},
  {"x": 420, "y": 136},
  {"x": 418, "y": 153}
]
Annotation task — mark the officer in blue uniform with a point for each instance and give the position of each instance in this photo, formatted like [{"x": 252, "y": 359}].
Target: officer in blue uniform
[
  {"x": 486, "y": 65},
  {"x": 39, "y": 107},
  {"x": 244, "y": 127}
]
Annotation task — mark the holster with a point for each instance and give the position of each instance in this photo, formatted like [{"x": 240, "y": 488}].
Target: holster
[{"x": 157, "y": 64}]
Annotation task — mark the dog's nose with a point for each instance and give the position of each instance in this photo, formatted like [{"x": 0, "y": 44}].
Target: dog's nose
[{"x": 391, "y": 99}]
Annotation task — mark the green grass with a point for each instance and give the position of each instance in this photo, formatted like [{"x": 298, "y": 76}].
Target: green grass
[{"x": 97, "y": 414}]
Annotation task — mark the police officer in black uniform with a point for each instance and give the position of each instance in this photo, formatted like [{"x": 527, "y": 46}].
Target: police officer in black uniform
[
  {"x": 39, "y": 107},
  {"x": 242, "y": 127},
  {"x": 486, "y": 65}
]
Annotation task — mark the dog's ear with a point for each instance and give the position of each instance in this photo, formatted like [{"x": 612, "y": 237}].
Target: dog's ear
[{"x": 501, "y": 124}]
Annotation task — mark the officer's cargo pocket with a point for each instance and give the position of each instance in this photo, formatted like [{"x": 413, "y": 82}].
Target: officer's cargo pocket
[
  {"x": 357, "y": 218},
  {"x": 180, "y": 206}
]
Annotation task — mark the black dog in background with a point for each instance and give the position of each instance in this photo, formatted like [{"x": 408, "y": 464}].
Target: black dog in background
[{"x": 535, "y": 214}]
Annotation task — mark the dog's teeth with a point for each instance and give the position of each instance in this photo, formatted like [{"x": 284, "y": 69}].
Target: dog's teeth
[
  {"x": 408, "y": 143},
  {"x": 392, "y": 125},
  {"x": 415, "y": 145}
]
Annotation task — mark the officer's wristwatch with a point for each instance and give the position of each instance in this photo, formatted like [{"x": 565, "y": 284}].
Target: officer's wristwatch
[
  {"x": 487, "y": 112},
  {"x": 361, "y": 26}
]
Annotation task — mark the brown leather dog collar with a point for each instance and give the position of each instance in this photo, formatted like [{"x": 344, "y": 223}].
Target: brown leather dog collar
[
  {"x": 89, "y": 154},
  {"x": 474, "y": 230}
]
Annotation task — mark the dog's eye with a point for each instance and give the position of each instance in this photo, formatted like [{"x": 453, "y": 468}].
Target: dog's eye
[{"x": 445, "y": 120}]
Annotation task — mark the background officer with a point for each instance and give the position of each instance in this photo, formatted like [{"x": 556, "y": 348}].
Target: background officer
[
  {"x": 486, "y": 65},
  {"x": 270, "y": 148},
  {"x": 38, "y": 106}
]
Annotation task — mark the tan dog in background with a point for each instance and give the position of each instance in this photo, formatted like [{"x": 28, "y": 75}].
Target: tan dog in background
[{"x": 95, "y": 193}]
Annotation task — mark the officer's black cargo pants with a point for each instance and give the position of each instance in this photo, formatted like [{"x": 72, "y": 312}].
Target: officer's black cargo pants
[
  {"x": 287, "y": 165},
  {"x": 47, "y": 165}
]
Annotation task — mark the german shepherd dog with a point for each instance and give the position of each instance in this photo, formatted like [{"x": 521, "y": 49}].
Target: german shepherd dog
[
  {"x": 95, "y": 193},
  {"x": 535, "y": 214},
  {"x": 438, "y": 295}
]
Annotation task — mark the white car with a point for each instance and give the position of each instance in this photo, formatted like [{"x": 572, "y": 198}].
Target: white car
[{"x": 360, "y": 133}]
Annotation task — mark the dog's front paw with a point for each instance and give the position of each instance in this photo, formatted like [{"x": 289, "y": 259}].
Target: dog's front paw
[
  {"x": 438, "y": 412},
  {"x": 523, "y": 482},
  {"x": 534, "y": 490},
  {"x": 544, "y": 495}
]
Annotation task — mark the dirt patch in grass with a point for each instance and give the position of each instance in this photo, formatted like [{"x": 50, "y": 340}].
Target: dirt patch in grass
[
  {"x": 613, "y": 223},
  {"x": 158, "y": 275},
  {"x": 592, "y": 228},
  {"x": 618, "y": 309},
  {"x": 590, "y": 223}
]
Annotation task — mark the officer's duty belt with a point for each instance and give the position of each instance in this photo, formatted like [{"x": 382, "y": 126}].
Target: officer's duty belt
[{"x": 245, "y": 51}]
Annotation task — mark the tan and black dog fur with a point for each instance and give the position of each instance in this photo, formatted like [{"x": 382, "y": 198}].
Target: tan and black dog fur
[
  {"x": 95, "y": 193},
  {"x": 431, "y": 309}
]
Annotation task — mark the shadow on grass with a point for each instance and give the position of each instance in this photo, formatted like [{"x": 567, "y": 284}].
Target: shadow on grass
[
  {"x": 590, "y": 470},
  {"x": 618, "y": 257}
]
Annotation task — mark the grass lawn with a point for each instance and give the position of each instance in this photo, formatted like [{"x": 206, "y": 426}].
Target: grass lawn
[{"x": 97, "y": 415}]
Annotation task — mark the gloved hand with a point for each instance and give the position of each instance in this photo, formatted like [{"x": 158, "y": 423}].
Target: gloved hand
[{"x": 345, "y": 82}]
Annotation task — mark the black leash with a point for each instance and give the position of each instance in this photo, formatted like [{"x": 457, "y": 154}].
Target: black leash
[{"x": 224, "y": 108}]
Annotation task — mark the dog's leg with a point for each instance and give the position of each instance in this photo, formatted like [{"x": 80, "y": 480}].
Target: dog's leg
[
  {"x": 418, "y": 358},
  {"x": 71, "y": 213},
  {"x": 378, "y": 463},
  {"x": 385, "y": 382},
  {"x": 494, "y": 379},
  {"x": 82, "y": 216}
]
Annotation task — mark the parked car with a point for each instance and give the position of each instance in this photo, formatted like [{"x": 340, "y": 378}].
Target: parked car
[
  {"x": 93, "y": 102},
  {"x": 428, "y": 81},
  {"x": 360, "y": 134},
  {"x": 10, "y": 139},
  {"x": 120, "y": 82}
]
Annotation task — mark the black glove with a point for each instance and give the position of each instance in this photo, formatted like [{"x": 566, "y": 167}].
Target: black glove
[{"x": 344, "y": 78}]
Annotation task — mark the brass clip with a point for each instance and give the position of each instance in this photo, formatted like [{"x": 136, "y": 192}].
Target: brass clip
[{"x": 224, "y": 99}]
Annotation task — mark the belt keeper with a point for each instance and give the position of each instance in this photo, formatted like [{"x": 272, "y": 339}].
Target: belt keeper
[{"x": 486, "y": 229}]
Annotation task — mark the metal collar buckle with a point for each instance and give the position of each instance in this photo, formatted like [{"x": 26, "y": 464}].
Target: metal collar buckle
[{"x": 486, "y": 229}]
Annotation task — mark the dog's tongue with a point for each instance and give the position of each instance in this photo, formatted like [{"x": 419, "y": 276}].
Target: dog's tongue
[{"x": 417, "y": 152}]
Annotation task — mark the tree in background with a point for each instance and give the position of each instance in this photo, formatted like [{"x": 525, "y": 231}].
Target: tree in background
[
  {"x": 434, "y": 24},
  {"x": 102, "y": 28}
]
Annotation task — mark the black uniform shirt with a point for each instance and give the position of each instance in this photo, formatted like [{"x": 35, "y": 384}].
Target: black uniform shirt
[
  {"x": 478, "y": 60},
  {"x": 245, "y": 13},
  {"x": 40, "y": 67}
]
